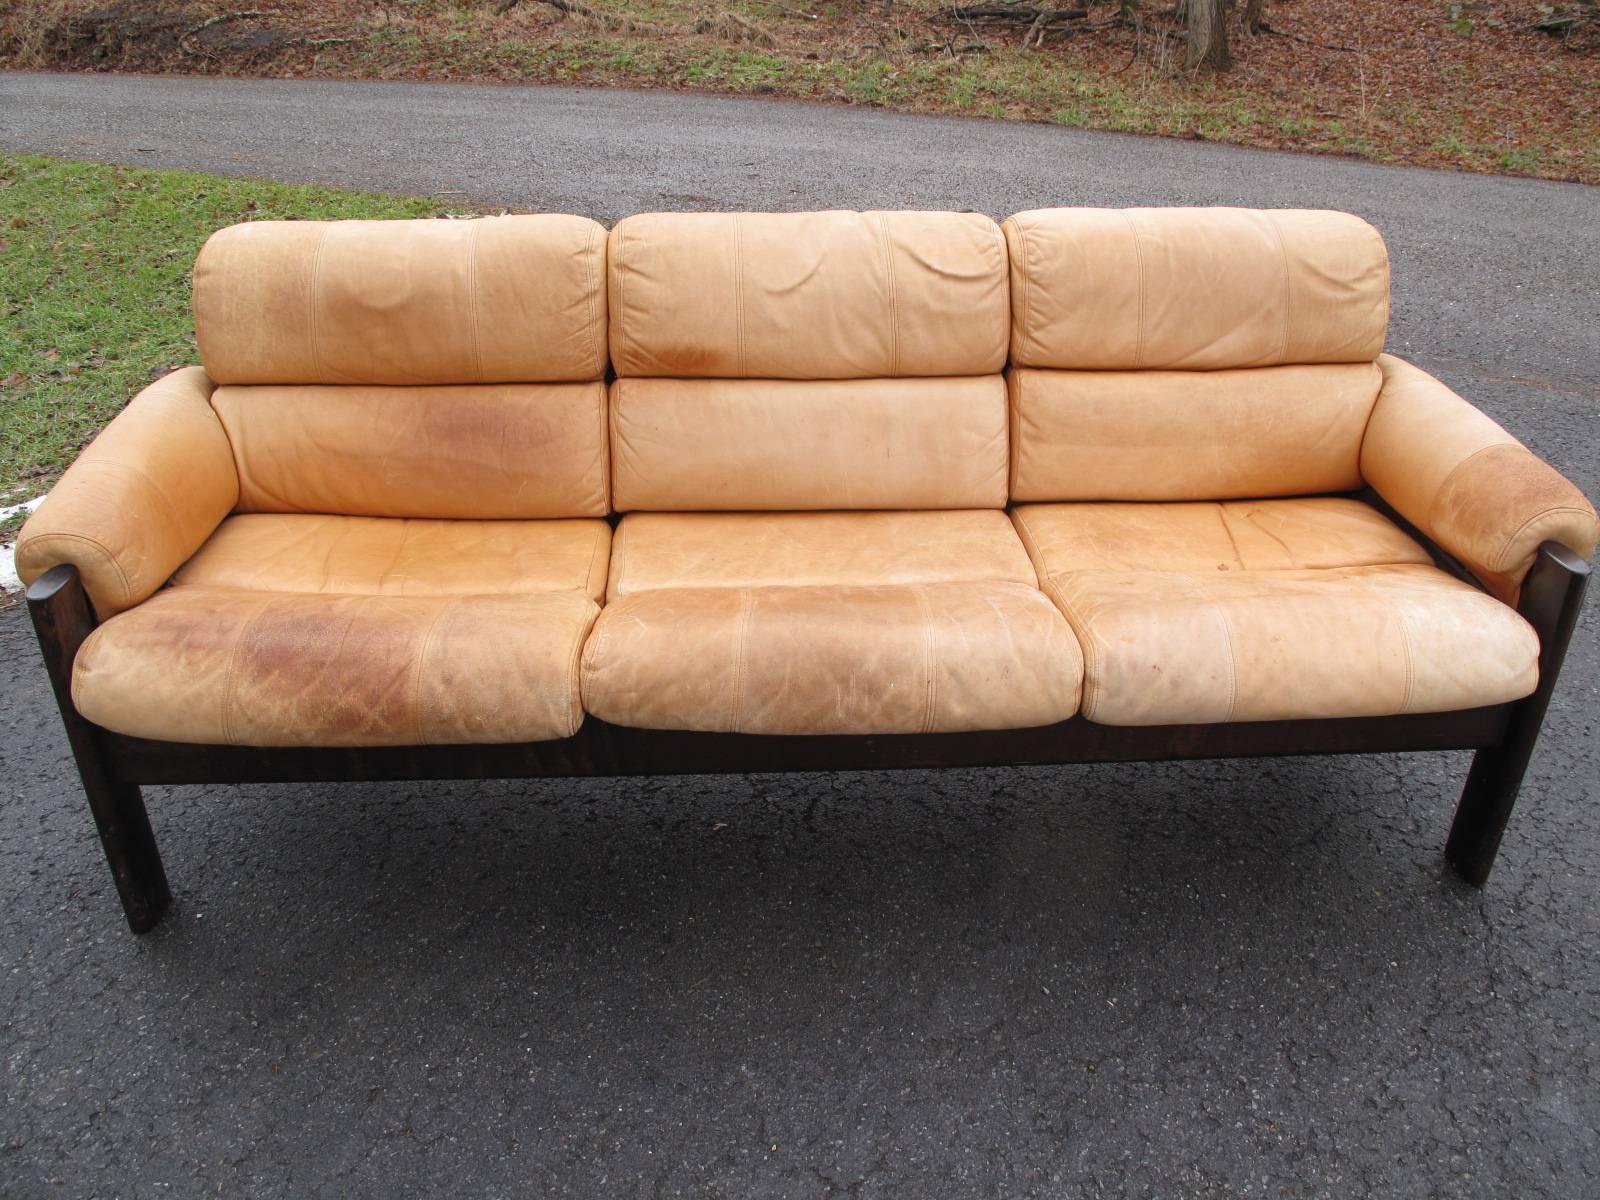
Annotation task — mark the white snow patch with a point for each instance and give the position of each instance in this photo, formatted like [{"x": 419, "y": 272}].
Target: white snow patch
[{"x": 9, "y": 582}]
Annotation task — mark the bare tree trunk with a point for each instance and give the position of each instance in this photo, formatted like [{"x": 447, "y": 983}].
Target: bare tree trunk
[
  {"x": 1254, "y": 12},
  {"x": 1208, "y": 36}
]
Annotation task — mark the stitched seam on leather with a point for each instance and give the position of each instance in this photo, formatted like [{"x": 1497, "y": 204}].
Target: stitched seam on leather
[
  {"x": 1013, "y": 430},
  {"x": 233, "y": 665},
  {"x": 575, "y": 672},
  {"x": 1027, "y": 280},
  {"x": 63, "y": 535},
  {"x": 594, "y": 647},
  {"x": 1227, "y": 638},
  {"x": 1030, "y": 545},
  {"x": 615, "y": 266},
  {"x": 603, "y": 410},
  {"x": 1366, "y": 426},
  {"x": 472, "y": 295},
  {"x": 596, "y": 351},
  {"x": 1405, "y": 649},
  {"x": 150, "y": 482},
  {"x": 1444, "y": 484},
  {"x": 1283, "y": 256},
  {"x": 1088, "y": 702},
  {"x": 1138, "y": 260},
  {"x": 619, "y": 559},
  {"x": 1500, "y": 562},
  {"x": 736, "y": 712},
  {"x": 311, "y": 301},
  {"x": 929, "y": 656},
  {"x": 422, "y": 662},
  {"x": 588, "y": 575},
  {"x": 738, "y": 293},
  {"x": 614, "y": 434},
  {"x": 894, "y": 318}
]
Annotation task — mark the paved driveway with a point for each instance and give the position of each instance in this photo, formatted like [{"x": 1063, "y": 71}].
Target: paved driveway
[{"x": 1230, "y": 979}]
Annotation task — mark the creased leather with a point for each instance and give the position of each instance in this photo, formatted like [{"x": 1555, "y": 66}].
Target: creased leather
[
  {"x": 1468, "y": 484},
  {"x": 1194, "y": 288},
  {"x": 1188, "y": 435},
  {"x": 824, "y": 549},
  {"x": 827, "y": 295},
  {"x": 485, "y": 451},
  {"x": 1170, "y": 648},
  {"x": 490, "y": 300},
  {"x": 708, "y": 444},
  {"x": 139, "y": 500},
  {"x": 803, "y": 660},
  {"x": 1214, "y": 625},
  {"x": 381, "y": 556},
  {"x": 1313, "y": 533},
  {"x": 222, "y": 666}
]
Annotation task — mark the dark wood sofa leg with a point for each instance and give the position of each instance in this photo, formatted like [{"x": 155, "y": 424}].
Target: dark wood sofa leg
[
  {"x": 1552, "y": 596},
  {"x": 63, "y": 618}
]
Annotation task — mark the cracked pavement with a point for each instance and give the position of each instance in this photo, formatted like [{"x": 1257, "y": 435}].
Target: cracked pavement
[{"x": 1243, "y": 979}]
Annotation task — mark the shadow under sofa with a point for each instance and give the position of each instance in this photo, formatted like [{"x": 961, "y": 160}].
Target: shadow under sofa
[{"x": 768, "y": 492}]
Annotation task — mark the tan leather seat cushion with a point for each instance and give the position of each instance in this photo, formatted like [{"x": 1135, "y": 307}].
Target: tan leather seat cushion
[
  {"x": 303, "y": 630},
  {"x": 834, "y": 549},
  {"x": 926, "y": 658},
  {"x": 1194, "y": 288},
  {"x": 729, "y": 444},
  {"x": 377, "y": 556},
  {"x": 1253, "y": 535},
  {"x": 476, "y": 452},
  {"x": 1188, "y": 435},
  {"x": 813, "y": 623},
  {"x": 225, "y": 666},
  {"x": 492, "y": 300},
  {"x": 1268, "y": 610},
  {"x": 825, "y": 295}
]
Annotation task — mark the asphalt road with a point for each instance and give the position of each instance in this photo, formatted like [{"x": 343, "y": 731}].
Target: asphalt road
[{"x": 1214, "y": 979}]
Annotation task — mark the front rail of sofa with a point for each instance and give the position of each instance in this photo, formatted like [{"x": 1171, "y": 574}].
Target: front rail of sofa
[{"x": 114, "y": 766}]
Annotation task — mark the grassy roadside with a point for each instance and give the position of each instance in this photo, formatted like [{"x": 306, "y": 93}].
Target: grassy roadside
[
  {"x": 94, "y": 286},
  {"x": 1472, "y": 85}
]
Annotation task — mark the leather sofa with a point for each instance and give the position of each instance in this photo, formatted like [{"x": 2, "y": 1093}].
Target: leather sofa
[{"x": 730, "y": 492}]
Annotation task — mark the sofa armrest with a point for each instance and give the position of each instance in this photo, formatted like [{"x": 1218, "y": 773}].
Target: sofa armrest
[
  {"x": 140, "y": 499},
  {"x": 1466, "y": 483}
]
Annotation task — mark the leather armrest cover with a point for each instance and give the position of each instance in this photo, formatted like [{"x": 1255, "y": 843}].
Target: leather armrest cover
[
  {"x": 140, "y": 499},
  {"x": 1465, "y": 482}
]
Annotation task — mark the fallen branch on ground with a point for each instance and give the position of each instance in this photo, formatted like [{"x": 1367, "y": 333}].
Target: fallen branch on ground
[
  {"x": 221, "y": 17},
  {"x": 243, "y": 15},
  {"x": 1263, "y": 27}
]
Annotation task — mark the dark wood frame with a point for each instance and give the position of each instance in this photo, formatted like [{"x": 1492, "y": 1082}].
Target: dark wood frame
[{"x": 113, "y": 766}]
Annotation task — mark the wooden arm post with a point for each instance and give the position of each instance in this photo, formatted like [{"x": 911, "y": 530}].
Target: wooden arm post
[
  {"x": 63, "y": 618},
  {"x": 1552, "y": 596}
]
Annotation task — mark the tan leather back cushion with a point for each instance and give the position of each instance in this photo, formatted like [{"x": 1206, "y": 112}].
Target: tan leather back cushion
[
  {"x": 1189, "y": 435},
  {"x": 706, "y": 444},
  {"x": 494, "y": 300},
  {"x": 478, "y": 452},
  {"x": 1194, "y": 288},
  {"x": 831, "y": 295}
]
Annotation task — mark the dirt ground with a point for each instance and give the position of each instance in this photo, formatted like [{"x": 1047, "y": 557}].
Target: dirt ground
[{"x": 1472, "y": 85}]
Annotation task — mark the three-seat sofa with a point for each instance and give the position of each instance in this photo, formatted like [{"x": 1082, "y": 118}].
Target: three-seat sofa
[{"x": 732, "y": 492}]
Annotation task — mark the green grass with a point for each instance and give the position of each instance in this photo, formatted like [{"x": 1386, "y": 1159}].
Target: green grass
[{"x": 94, "y": 290}]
